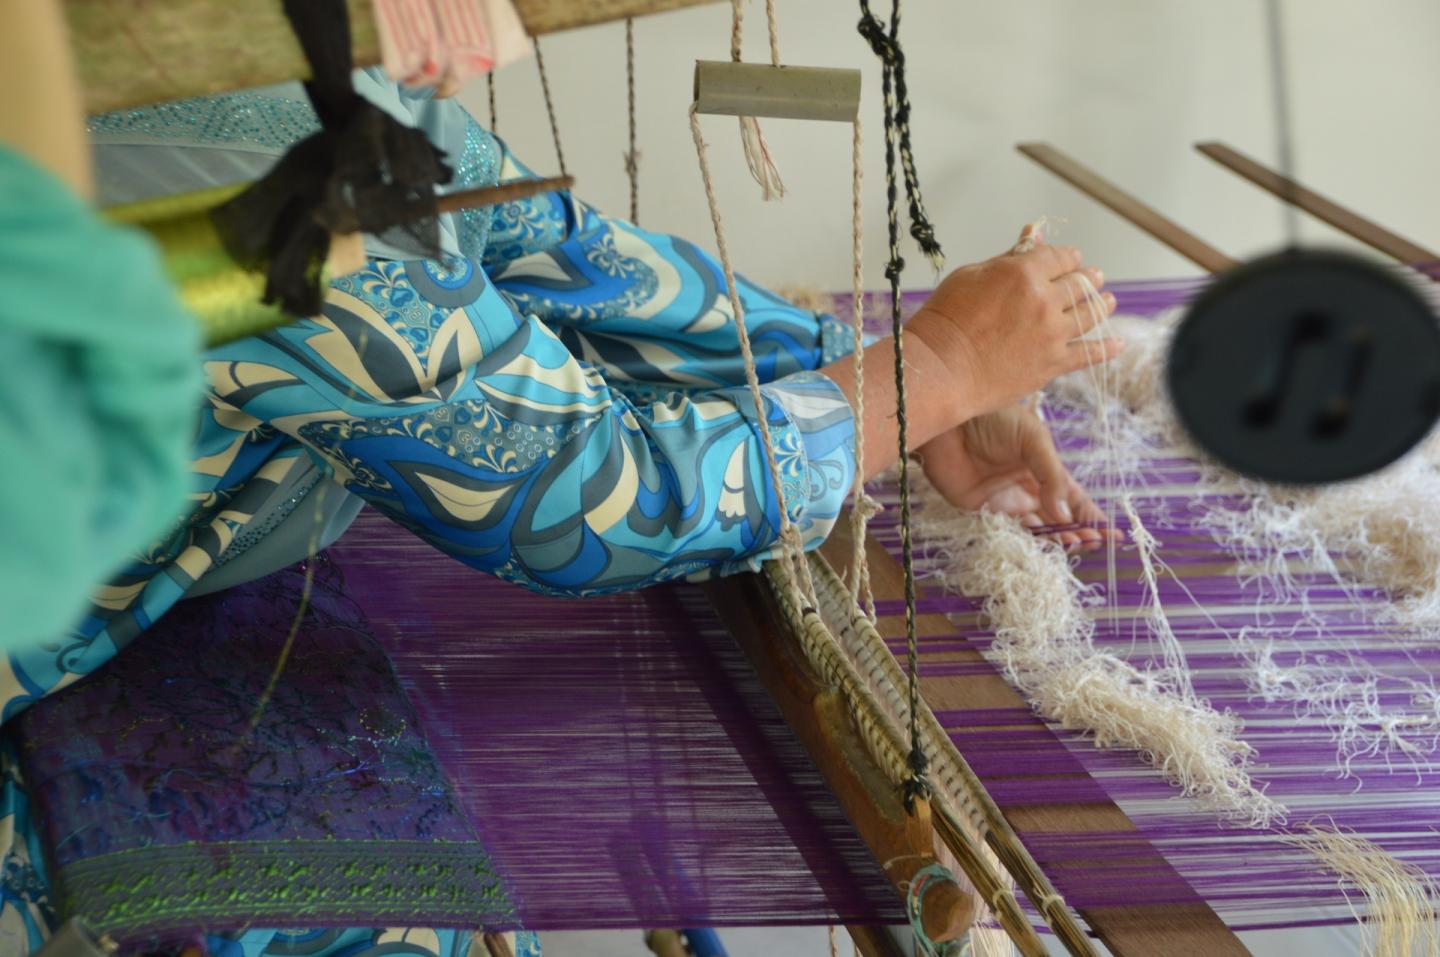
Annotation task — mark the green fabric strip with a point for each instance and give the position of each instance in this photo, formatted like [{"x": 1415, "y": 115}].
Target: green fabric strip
[{"x": 178, "y": 888}]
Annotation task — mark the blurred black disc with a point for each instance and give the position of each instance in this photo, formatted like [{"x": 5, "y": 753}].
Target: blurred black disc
[{"x": 1307, "y": 367}]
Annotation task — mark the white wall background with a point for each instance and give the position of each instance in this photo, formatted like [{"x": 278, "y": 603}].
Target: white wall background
[{"x": 1125, "y": 85}]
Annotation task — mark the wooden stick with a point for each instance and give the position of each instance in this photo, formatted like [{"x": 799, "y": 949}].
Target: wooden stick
[
  {"x": 1347, "y": 221},
  {"x": 1108, "y": 194},
  {"x": 504, "y": 193},
  {"x": 902, "y": 843},
  {"x": 136, "y": 52},
  {"x": 666, "y": 943},
  {"x": 498, "y": 946}
]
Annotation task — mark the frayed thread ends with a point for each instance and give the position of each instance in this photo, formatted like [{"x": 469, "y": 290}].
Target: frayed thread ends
[
  {"x": 1043, "y": 644},
  {"x": 1398, "y": 912},
  {"x": 758, "y": 159}
]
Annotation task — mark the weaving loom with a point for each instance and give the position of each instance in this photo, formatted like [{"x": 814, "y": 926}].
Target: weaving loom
[{"x": 680, "y": 846}]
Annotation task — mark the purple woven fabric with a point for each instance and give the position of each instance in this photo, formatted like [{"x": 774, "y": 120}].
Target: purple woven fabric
[
  {"x": 1253, "y": 879},
  {"x": 167, "y": 813},
  {"x": 441, "y": 749}
]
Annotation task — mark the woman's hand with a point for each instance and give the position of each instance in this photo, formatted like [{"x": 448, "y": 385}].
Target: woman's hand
[
  {"x": 1006, "y": 461},
  {"x": 1005, "y": 327}
]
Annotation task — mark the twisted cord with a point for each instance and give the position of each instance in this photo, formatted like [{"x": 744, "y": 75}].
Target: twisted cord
[
  {"x": 886, "y": 45},
  {"x": 490, "y": 89},
  {"x": 632, "y": 157},
  {"x": 796, "y": 569},
  {"x": 917, "y": 785},
  {"x": 550, "y": 107},
  {"x": 774, "y": 32},
  {"x": 865, "y": 507}
]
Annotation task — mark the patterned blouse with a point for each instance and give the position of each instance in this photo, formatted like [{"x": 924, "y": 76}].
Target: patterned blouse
[{"x": 558, "y": 401}]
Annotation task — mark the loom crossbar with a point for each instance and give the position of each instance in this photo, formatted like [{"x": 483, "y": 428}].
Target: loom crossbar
[
  {"x": 727, "y": 88},
  {"x": 1127, "y": 206},
  {"x": 1326, "y": 210},
  {"x": 132, "y": 53},
  {"x": 1188, "y": 930}
]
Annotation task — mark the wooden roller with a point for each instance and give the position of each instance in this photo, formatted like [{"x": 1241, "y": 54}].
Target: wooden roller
[
  {"x": 901, "y": 842},
  {"x": 136, "y": 52}
]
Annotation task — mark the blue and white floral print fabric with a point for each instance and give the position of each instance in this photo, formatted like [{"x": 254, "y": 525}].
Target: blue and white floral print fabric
[{"x": 559, "y": 402}]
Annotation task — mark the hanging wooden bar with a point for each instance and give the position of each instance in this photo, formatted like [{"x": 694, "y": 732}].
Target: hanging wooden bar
[
  {"x": 136, "y": 52},
  {"x": 1127, "y": 206},
  {"x": 1347, "y": 221}
]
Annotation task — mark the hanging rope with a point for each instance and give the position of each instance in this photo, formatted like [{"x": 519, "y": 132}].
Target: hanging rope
[
  {"x": 550, "y": 107},
  {"x": 632, "y": 156},
  {"x": 864, "y": 507},
  {"x": 886, "y": 44},
  {"x": 490, "y": 89},
  {"x": 792, "y": 546}
]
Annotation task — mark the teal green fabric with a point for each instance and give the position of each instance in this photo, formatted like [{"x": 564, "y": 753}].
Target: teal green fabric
[{"x": 99, "y": 388}]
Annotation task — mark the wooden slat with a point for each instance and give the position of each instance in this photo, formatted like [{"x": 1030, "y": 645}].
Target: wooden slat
[
  {"x": 1183, "y": 931},
  {"x": 1147, "y": 218},
  {"x": 552, "y": 16},
  {"x": 1326, "y": 210},
  {"x": 136, "y": 52}
]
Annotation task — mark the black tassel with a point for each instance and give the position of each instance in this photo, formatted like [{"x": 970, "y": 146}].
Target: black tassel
[{"x": 363, "y": 172}]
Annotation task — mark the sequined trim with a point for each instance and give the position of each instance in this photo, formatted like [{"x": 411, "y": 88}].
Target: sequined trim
[
  {"x": 479, "y": 166},
  {"x": 269, "y": 123},
  {"x": 277, "y": 883},
  {"x": 255, "y": 531}
]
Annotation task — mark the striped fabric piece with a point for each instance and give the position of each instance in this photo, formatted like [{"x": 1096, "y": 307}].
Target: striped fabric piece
[{"x": 439, "y": 43}]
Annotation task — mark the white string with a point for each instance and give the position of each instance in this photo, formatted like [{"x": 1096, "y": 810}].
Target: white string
[
  {"x": 792, "y": 547},
  {"x": 864, "y": 507}
]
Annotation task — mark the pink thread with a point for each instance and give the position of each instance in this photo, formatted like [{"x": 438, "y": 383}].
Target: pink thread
[{"x": 445, "y": 43}]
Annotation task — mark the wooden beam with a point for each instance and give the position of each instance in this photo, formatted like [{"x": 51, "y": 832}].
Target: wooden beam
[
  {"x": 136, "y": 52},
  {"x": 1146, "y": 217},
  {"x": 552, "y": 16},
  {"x": 1326, "y": 210},
  {"x": 1189, "y": 930},
  {"x": 901, "y": 842}
]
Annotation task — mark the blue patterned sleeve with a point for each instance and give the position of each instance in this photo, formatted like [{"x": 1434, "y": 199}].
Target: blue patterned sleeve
[
  {"x": 647, "y": 308},
  {"x": 476, "y": 426}
]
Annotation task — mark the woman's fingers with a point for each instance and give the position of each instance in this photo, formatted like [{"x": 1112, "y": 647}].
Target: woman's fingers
[
  {"x": 1083, "y": 353},
  {"x": 1070, "y": 288},
  {"x": 1052, "y": 262}
]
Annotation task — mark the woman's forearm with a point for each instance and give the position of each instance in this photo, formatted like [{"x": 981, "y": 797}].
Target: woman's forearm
[{"x": 934, "y": 401}]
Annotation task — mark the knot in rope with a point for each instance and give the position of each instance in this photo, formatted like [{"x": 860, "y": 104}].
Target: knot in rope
[
  {"x": 867, "y": 506},
  {"x": 894, "y": 268},
  {"x": 917, "y": 785},
  {"x": 873, "y": 31}
]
